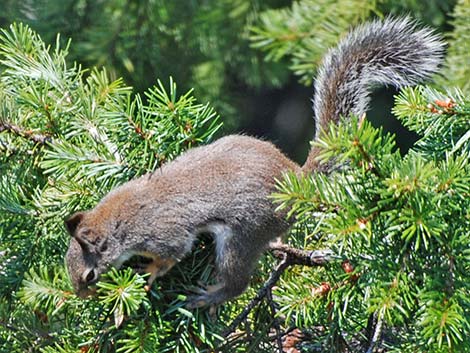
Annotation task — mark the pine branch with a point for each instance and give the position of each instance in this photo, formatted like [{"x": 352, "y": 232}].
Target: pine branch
[
  {"x": 303, "y": 32},
  {"x": 30, "y": 135}
]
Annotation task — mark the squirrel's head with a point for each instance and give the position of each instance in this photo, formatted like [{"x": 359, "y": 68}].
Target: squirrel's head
[{"x": 88, "y": 256}]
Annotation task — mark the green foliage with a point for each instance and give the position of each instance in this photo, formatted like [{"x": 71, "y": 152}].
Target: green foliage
[
  {"x": 45, "y": 290},
  {"x": 68, "y": 136},
  {"x": 123, "y": 291},
  {"x": 201, "y": 44},
  {"x": 301, "y": 36},
  {"x": 430, "y": 113},
  {"x": 457, "y": 68},
  {"x": 400, "y": 223},
  {"x": 432, "y": 12}
]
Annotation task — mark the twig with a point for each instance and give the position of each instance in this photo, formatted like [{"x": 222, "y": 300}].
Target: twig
[
  {"x": 37, "y": 333},
  {"x": 273, "y": 278},
  {"x": 377, "y": 333},
  {"x": 289, "y": 256},
  {"x": 303, "y": 257},
  {"x": 10, "y": 327},
  {"x": 27, "y": 134},
  {"x": 277, "y": 326}
]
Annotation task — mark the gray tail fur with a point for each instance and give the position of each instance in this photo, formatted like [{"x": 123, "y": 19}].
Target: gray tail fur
[{"x": 389, "y": 52}]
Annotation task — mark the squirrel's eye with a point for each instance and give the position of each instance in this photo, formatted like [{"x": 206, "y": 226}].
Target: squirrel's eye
[
  {"x": 90, "y": 276},
  {"x": 85, "y": 232}
]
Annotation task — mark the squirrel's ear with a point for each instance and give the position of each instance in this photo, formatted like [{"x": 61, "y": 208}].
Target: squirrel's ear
[{"x": 72, "y": 223}]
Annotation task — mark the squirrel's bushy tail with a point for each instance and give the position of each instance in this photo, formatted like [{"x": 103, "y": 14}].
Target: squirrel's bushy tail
[{"x": 389, "y": 52}]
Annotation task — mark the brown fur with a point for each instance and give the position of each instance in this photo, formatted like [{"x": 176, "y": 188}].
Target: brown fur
[{"x": 222, "y": 188}]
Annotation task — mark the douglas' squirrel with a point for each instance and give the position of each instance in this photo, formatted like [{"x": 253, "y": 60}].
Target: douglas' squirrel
[{"x": 223, "y": 188}]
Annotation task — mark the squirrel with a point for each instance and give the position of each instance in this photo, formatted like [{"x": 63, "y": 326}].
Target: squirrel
[{"x": 223, "y": 188}]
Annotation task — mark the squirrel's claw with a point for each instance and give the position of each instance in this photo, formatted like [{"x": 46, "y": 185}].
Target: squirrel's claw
[
  {"x": 196, "y": 301},
  {"x": 204, "y": 296}
]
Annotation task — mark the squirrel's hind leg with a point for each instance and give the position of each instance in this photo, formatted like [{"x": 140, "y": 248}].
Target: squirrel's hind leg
[{"x": 235, "y": 260}]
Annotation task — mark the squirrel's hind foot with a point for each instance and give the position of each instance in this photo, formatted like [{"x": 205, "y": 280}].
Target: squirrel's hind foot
[{"x": 211, "y": 295}]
